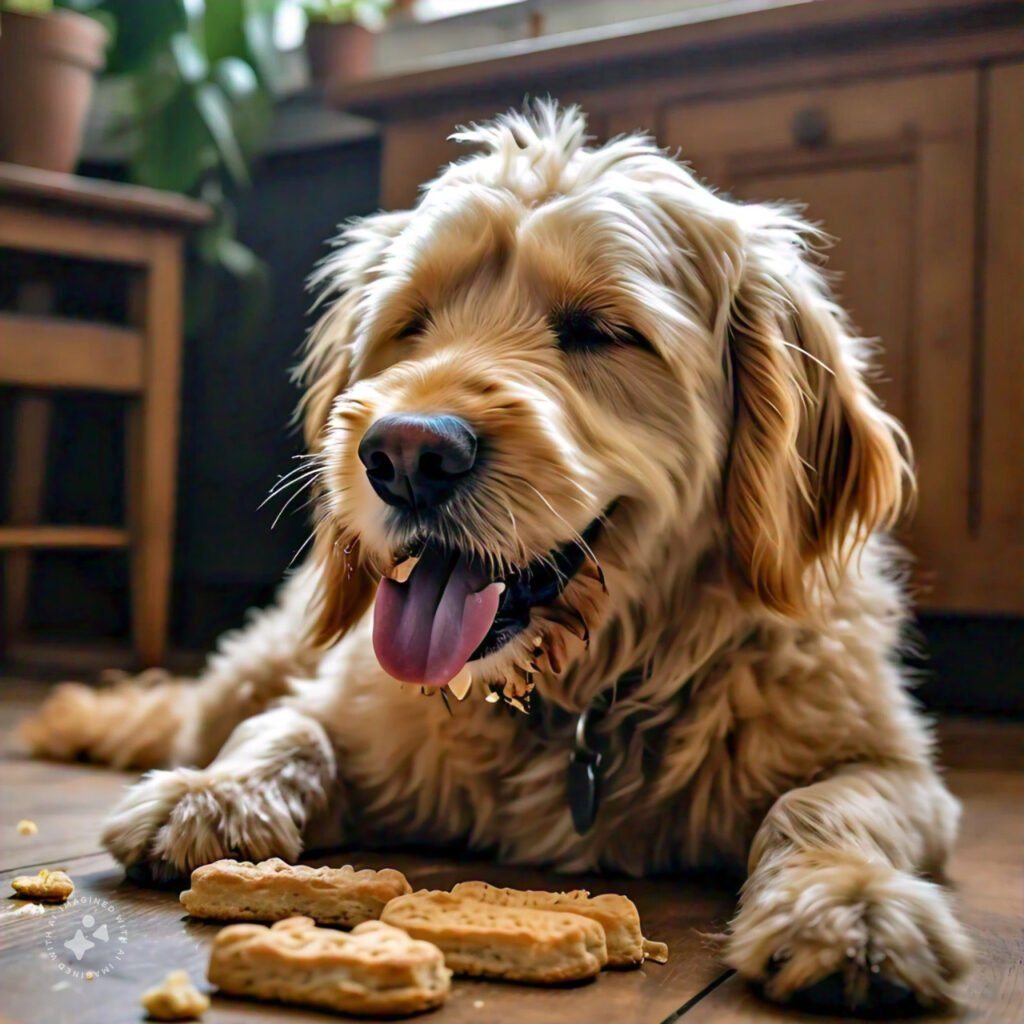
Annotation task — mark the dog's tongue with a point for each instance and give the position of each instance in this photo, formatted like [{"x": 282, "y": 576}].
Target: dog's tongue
[{"x": 425, "y": 629}]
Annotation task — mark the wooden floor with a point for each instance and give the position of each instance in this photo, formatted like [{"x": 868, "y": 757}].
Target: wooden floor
[{"x": 147, "y": 934}]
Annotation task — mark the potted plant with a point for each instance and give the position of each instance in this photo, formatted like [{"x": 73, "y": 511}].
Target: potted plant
[
  {"x": 339, "y": 37},
  {"x": 49, "y": 54}
]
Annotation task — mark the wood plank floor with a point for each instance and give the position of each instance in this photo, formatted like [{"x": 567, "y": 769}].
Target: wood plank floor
[{"x": 146, "y": 933}]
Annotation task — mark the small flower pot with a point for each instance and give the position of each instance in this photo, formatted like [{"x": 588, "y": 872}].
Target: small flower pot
[
  {"x": 47, "y": 64},
  {"x": 338, "y": 51}
]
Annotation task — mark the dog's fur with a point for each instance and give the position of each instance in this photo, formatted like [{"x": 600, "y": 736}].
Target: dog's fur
[{"x": 745, "y": 468}]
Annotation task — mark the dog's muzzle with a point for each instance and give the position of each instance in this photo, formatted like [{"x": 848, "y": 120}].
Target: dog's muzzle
[{"x": 450, "y": 610}]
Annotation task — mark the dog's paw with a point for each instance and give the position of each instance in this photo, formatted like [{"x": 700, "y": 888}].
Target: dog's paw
[
  {"x": 254, "y": 802},
  {"x": 64, "y": 727},
  {"x": 835, "y": 934},
  {"x": 130, "y": 830},
  {"x": 132, "y": 724},
  {"x": 172, "y": 822}
]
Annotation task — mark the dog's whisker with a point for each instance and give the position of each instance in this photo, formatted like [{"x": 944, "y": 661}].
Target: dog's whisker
[
  {"x": 302, "y": 547},
  {"x": 301, "y": 482},
  {"x": 576, "y": 535},
  {"x": 294, "y": 495}
]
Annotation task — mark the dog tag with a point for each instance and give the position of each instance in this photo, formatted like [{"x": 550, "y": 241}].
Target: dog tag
[{"x": 584, "y": 766}]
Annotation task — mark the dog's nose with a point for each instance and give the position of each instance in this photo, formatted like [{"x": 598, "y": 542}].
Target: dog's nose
[{"x": 417, "y": 461}]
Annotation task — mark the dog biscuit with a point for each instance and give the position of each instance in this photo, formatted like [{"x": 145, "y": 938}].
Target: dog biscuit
[
  {"x": 51, "y": 886},
  {"x": 616, "y": 914},
  {"x": 374, "y": 970},
  {"x": 230, "y": 890},
  {"x": 490, "y": 940}
]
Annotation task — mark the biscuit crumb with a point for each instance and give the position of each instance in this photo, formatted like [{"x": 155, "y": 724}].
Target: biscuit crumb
[
  {"x": 90, "y": 975},
  {"x": 27, "y": 828},
  {"x": 175, "y": 998},
  {"x": 53, "y": 886},
  {"x": 478, "y": 1004}
]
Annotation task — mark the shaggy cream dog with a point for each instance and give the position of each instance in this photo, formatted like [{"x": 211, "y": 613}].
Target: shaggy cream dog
[{"x": 596, "y": 444}]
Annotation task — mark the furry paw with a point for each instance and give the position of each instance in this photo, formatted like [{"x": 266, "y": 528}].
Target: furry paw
[
  {"x": 253, "y": 804},
  {"x": 836, "y": 934},
  {"x": 132, "y": 724}
]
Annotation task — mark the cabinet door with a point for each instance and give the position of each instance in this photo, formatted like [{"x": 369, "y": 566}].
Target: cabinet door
[
  {"x": 888, "y": 169},
  {"x": 998, "y": 510}
]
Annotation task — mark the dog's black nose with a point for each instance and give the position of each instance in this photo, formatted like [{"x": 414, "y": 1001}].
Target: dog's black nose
[{"x": 417, "y": 462}]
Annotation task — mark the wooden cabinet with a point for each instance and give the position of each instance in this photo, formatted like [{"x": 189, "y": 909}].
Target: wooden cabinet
[
  {"x": 899, "y": 126},
  {"x": 997, "y": 515},
  {"x": 888, "y": 169}
]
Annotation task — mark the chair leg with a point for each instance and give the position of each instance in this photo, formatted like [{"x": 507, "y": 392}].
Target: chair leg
[
  {"x": 27, "y": 485},
  {"x": 152, "y": 435},
  {"x": 32, "y": 414}
]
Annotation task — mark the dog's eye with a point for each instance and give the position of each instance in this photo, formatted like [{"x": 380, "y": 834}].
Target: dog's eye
[
  {"x": 416, "y": 324},
  {"x": 579, "y": 330}
]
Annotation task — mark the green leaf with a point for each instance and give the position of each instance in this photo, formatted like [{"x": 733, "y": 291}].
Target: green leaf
[
  {"x": 174, "y": 147},
  {"x": 250, "y": 106},
  {"x": 82, "y": 6},
  {"x": 225, "y": 260},
  {"x": 223, "y": 31},
  {"x": 215, "y": 111},
  {"x": 27, "y": 6},
  {"x": 143, "y": 31},
  {"x": 262, "y": 54},
  {"x": 190, "y": 61}
]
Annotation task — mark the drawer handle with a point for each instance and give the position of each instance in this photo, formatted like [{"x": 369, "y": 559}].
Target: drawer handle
[{"x": 810, "y": 127}]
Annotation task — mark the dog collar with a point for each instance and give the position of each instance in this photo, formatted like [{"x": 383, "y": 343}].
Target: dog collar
[
  {"x": 583, "y": 782},
  {"x": 584, "y": 774}
]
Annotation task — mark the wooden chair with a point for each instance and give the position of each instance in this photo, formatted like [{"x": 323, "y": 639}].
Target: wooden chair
[{"x": 140, "y": 231}]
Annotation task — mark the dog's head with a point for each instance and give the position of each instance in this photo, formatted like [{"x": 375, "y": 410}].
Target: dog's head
[{"x": 570, "y": 378}]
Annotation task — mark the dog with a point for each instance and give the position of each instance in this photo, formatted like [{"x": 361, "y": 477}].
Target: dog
[{"x": 598, "y": 447}]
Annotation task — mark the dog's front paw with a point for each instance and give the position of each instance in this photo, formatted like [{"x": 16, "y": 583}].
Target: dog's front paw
[
  {"x": 172, "y": 822},
  {"x": 839, "y": 934},
  {"x": 145, "y": 809}
]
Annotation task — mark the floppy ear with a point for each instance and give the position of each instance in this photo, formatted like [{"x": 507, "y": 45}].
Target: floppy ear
[
  {"x": 325, "y": 369},
  {"x": 815, "y": 464},
  {"x": 342, "y": 280},
  {"x": 344, "y": 589},
  {"x": 345, "y": 585}
]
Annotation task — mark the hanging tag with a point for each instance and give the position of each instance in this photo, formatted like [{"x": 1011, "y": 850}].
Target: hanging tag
[{"x": 583, "y": 784}]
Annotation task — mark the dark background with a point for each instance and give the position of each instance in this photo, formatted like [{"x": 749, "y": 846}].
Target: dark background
[{"x": 237, "y": 401}]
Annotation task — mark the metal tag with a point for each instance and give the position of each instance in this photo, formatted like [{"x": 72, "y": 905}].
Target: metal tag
[{"x": 584, "y": 776}]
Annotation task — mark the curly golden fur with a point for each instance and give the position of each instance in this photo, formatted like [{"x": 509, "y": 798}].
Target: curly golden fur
[{"x": 742, "y": 470}]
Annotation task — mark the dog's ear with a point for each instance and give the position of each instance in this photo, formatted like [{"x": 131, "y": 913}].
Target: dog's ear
[
  {"x": 815, "y": 464},
  {"x": 345, "y": 585},
  {"x": 342, "y": 280},
  {"x": 325, "y": 370}
]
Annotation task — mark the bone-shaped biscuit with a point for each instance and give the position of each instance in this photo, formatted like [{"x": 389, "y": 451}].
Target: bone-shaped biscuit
[
  {"x": 374, "y": 970},
  {"x": 489, "y": 940},
  {"x": 231, "y": 890},
  {"x": 616, "y": 914}
]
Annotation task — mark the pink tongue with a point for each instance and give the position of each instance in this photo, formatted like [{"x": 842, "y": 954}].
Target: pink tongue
[{"x": 425, "y": 629}]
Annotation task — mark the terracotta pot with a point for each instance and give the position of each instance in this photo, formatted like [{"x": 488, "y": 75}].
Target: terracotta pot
[
  {"x": 47, "y": 63},
  {"x": 338, "y": 51}
]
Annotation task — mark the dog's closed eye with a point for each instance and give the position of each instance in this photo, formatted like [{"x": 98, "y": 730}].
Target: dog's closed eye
[
  {"x": 417, "y": 323},
  {"x": 579, "y": 330}
]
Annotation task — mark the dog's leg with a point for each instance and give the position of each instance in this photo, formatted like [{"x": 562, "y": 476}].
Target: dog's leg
[
  {"x": 836, "y": 915},
  {"x": 254, "y": 801},
  {"x": 155, "y": 720}
]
